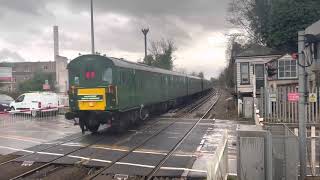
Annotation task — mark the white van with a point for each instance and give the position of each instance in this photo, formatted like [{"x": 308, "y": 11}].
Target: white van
[{"x": 36, "y": 102}]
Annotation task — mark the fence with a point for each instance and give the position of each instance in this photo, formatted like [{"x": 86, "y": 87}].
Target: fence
[
  {"x": 218, "y": 165},
  {"x": 280, "y": 105}
]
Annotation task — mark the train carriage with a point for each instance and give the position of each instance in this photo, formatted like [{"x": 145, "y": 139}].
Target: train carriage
[{"x": 106, "y": 90}]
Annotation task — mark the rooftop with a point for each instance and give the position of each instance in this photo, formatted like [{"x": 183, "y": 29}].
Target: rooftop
[{"x": 258, "y": 50}]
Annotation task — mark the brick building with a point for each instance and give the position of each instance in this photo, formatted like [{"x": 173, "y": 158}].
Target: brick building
[{"x": 22, "y": 71}]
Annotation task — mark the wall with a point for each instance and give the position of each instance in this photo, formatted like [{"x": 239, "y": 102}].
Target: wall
[
  {"x": 22, "y": 71},
  {"x": 61, "y": 74}
]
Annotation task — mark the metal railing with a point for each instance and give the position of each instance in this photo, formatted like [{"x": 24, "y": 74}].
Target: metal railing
[
  {"x": 280, "y": 105},
  {"x": 218, "y": 165},
  {"x": 24, "y": 116}
]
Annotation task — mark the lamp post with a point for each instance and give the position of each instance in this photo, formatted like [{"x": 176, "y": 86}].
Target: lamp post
[
  {"x": 92, "y": 29},
  {"x": 145, "y": 32}
]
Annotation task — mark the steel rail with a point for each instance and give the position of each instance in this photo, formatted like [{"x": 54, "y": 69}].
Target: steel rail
[
  {"x": 131, "y": 150},
  {"x": 51, "y": 162},
  {"x": 204, "y": 99},
  {"x": 46, "y": 148},
  {"x": 192, "y": 107},
  {"x": 157, "y": 168},
  {"x": 137, "y": 147},
  {"x": 65, "y": 155}
]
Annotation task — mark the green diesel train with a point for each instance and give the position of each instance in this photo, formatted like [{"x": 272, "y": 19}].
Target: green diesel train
[{"x": 107, "y": 90}]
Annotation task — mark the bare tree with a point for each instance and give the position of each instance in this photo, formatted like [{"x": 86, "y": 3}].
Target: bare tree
[{"x": 161, "y": 54}]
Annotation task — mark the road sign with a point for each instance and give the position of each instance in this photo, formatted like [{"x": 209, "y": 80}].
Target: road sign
[
  {"x": 312, "y": 97},
  {"x": 293, "y": 97},
  {"x": 273, "y": 97}
]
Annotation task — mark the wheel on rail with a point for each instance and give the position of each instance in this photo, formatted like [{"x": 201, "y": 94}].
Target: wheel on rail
[{"x": 92, "y": 123}]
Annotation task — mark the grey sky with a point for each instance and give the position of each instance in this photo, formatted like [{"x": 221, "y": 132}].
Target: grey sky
[{"x": 196, "y": 26}]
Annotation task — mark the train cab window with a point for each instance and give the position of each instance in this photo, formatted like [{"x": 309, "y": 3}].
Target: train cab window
[{"x": 107, "y": 75}]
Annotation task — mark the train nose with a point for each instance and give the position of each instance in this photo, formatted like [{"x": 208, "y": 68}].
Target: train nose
[{"x": 92, "y": 99}]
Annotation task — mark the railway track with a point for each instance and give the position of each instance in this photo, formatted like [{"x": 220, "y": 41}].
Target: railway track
[
  {"x": 42, "y": 149},
  {"x": 185, "y": 111},
  {"x": 191, "y": 108},
  {"x": 169, "y": 154}
]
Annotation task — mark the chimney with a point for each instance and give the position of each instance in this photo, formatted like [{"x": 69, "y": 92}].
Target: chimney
[{"x": 55, "y": 42}]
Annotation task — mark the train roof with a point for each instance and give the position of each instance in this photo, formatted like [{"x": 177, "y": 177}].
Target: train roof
[{"x": 120, "y": 62}]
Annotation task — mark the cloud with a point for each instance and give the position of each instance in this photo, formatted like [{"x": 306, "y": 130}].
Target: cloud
[
  {"x": 29, "y": 7},
  {"x": 206, "y": 13},
  {"x": 26, "y": 27},
  {"x": 10, "y": 56}
]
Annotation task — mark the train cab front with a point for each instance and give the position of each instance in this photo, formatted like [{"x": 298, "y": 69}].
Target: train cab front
[{"x": 92, "y": 106}]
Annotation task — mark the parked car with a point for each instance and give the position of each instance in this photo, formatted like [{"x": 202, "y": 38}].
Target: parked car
[
  {"x": 5, "y": 101},
  {"x": 36, "y": 102}
]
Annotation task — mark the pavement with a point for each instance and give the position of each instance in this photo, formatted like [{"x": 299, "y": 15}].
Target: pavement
[{"x": 22, "y": 131}]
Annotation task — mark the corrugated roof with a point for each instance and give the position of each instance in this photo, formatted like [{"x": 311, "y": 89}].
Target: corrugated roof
[{"x": 258, "y": 50}]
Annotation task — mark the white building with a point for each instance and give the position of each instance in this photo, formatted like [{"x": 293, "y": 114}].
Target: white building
[{"x": 251, "y": 76}]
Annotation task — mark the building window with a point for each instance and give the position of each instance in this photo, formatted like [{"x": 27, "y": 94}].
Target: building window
[
  {"x": 244, "y": 73},
  {"x": 27, "y": 69},
  {"x": 45, "y": 67},
  {"x": 287, "y": 68}
]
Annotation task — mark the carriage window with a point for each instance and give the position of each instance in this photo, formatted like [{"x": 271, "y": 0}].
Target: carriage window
[{"x": 107, "y": 75}]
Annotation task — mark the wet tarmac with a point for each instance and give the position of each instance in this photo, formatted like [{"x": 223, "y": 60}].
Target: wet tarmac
[
  {"x": 54, "y": 139},
  {"x": 20, "y": 131}
]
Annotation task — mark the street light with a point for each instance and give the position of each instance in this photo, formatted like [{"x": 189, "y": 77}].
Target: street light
[
  {"x": 92, "y": 29},
  {"x": 145, "y": 32}
]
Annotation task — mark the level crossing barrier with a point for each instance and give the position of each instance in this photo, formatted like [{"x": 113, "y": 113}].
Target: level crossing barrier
[
  {"x": 218, "y": 165},
  {"x": 12, "y": 117}
]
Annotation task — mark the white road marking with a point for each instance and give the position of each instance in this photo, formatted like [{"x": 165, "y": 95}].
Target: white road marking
[
  {"x": 73, "y": 144},
  {"x": 183, "y": 169},
  {"x": 15, "y": 149},
  {"x": 185, "y": 155},
  {"x": 79, "y": 157},
  {"x": 101, "y": 160},
  {"x": 89, "y": 159},
  {"x": 138, "y": 165},
  {"x": 48, "y": 153}
]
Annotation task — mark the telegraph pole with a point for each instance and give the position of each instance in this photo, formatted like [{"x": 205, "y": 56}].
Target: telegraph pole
[
  {"x": 303, "y": 103},
  {"x": 92, "y": 29},
  {"x": 145, "y": 32}
]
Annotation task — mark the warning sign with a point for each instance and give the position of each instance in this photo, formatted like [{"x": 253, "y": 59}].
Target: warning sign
[
  {"x": 273, "y": 97},
  {"x": 293, "y": 97},
  {"x": 312, "y": 97}
]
